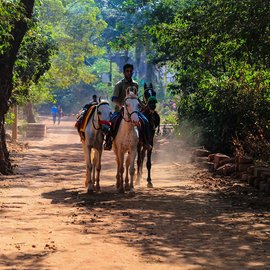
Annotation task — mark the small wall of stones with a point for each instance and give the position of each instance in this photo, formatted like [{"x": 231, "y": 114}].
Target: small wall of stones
[{"x": 237, "y": 167}]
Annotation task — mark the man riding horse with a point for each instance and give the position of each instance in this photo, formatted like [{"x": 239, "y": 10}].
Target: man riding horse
[
  {"x": 118, "y": 98},
  {"x": 149, "y": 111}
]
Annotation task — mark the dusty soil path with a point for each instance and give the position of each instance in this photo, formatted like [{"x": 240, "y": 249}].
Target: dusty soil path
[{"x": 187, "y": 221}]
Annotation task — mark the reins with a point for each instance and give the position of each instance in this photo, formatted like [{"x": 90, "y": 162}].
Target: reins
[
  {"x": 129, "y": 114},
  {"x": 100, "y": 122}
]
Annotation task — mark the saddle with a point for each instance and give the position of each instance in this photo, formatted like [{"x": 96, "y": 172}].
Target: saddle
[
  {"x": 83, "y": 119},
  {"x": 116, "y": 120}
]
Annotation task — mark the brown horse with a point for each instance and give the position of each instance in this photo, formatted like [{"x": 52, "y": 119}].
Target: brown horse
[{"x": 154, "y": 123}]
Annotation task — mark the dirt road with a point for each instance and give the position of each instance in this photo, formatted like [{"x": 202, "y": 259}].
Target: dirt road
[{"x": 49, "y": 222}]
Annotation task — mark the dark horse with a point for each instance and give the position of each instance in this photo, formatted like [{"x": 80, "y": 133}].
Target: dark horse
[{"x": 148, "y": 109}]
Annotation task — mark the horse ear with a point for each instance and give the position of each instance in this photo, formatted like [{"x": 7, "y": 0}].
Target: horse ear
[
  {"x": 151, "y": 85},
  {"x": 99, "y": 99},
  {"x": 135, "y": 91},
  {"x": 145, "y": 86},
  {"x": 128, "y": 91}
]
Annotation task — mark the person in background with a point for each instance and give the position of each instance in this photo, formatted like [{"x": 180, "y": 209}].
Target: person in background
[
  {"x": 59, "y": 114},
  {"x": 54, "y": 112},
  {"x": 94, "y": 101}
]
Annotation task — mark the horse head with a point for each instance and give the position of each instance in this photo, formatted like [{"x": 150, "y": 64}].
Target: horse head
[
  {"x": 102, "y": 116},
  {"x": 131, "y": 106},
  {"x": 150, "y": 96}
]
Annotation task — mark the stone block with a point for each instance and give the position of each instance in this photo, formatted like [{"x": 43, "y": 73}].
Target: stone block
[
  {"x": 35, "y": 130},
  {"x": 211, "y": 157},
  {"x": 244, "y": 160},
  {"x": 265, "y": 175},
  {"x": 208, "y": 165},
  {"x": 226, "y": 169},
  {"x": 257, "y": 182},
  {"x": 267, "y": 188},
  {"x": 251, "y": 180},
  {"x": 251, "y": 169},
  {"x": 243, "y": 167},
  {"x": 244, "y": 177},
  {"x": 226, "y": 161},
  {"x": 201, "y": 159},
  {"x": 262, "y": 186},
  {"x": 201, "y": 153},
  {"x": 218, "y": 158},
  {"x": 258, "y": 170}
]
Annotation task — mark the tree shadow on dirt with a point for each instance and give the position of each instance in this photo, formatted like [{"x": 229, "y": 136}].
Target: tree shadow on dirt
[
  {"x": 180, "y": 223},
  {"x": 33, "y": 261},
  {"x": 175, "y": 224}
]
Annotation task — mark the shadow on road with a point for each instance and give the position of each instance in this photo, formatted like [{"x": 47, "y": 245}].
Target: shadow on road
[{"x": 178, "y": 223}]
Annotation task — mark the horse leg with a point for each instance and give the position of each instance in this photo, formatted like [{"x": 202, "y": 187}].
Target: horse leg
[
  {"x": 127, "y": 187},
  {"x": 98, "y": 168},
  {"x": 143, "y": 150},
  {"x": 120, "y": 172},
  {"x": 86, "y": 163},
  {"x": 89, "y": 166},
  {"x": 132, "y": 170},
  {"x": 93, "y": 156},
  {"x": 149, "y": 165},
  {"x": 139, "y": 162}
]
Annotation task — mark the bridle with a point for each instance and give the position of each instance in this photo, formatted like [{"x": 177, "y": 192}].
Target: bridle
[
  {"x": 100, "y": 122},
  {"x": 150, "y": 91},
  {"x": 128, "y": 113}
]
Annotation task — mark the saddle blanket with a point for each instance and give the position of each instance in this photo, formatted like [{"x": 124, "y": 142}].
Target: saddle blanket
[{"x": 86, "y": 118}]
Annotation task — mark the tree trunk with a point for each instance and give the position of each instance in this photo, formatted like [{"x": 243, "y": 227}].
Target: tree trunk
[
  {"x": 5, "y": 165},
  {"x": 7, "y": 61},
  {"x": 29, "y": 113},
  {"x": 15, "y": 124},
  {"x": 126, "y": 57},
  {"x": 149, "y": 66}
]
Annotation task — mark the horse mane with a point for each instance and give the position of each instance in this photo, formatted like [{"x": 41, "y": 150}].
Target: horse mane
[
  {"x": 148, "y": 92},
  {"x": 132, "y": 96},
  {"x": 103, "y": 102}
]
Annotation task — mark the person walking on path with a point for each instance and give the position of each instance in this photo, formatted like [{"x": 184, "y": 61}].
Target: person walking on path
[
  {"x": 54, "y": 112},
  {"x": 59, "y": 114}
]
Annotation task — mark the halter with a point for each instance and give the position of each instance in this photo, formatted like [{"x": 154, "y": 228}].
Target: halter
[
  {"x": 100, "y": 122},
  {"x": 128, "y": 113}
]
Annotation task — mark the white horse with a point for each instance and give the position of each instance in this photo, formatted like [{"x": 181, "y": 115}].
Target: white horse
[
  {"x": 126, "y": 141},
  {"x": 97, "y": 127}
]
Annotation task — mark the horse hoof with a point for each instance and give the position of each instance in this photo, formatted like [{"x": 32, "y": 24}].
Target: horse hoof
[
  {"x": 97, "y": 188},
  {"x": 127, "y": 188},
  {"x": 150, "y": 185},
  {"x": 90, "y": 191},
  {"x": 131, "y": 193},
  {"x": 121, "y": 190}
]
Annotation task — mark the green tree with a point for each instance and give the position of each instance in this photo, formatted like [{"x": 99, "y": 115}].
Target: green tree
[
  {"x": 75, "y": 33},
  {"x": 218, "y": 50},
  {"x": 13, "y": 26},
  {"x": 32, "y": 62}
]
